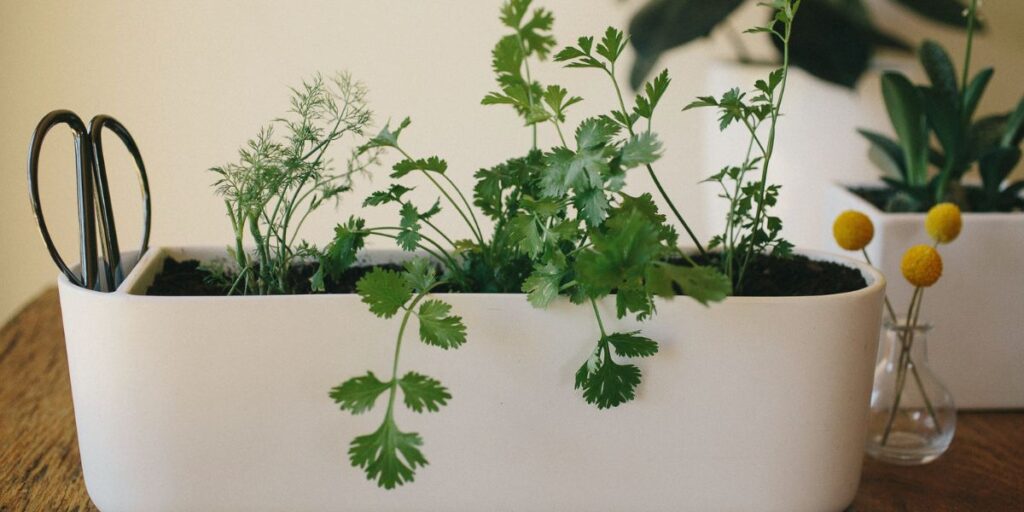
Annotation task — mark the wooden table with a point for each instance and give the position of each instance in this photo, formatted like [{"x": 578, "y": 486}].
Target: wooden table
[{"x": 39, "y": 466}]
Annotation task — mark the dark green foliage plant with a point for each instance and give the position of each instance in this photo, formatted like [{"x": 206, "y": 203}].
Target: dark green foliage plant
[
  {"x": 835, "y": 43},
  {"x": 944, "y": 110}
]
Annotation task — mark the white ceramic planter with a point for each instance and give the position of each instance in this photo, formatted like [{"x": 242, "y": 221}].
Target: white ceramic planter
[
  {"x": 220, "y": 403},
  {"x": 977, "y": 345}
]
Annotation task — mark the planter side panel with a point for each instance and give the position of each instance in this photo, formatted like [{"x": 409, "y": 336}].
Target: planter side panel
[{"x": 221, "y": 404}]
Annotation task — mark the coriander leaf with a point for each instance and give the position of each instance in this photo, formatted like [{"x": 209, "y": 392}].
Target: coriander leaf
[
  {"x": 612, "y": 44},
  {"x": 640, "y": 149},
  {"x": 609, "y": 384},
  {"x": 595, "y": 132},
  {"x": 388, "y": 455},
  {"x": 432, "y": 164},
  {"x": 592, "y": 204},
  {"x": 423, "y": 393},
  {"x": 654, "y": 90},
  {"x": 555, "y": 97},
  {"x": 409, "y": 237},
  {"x": 536, "y": 34},
  {"x": 420, "y": 274},
  {"x": 630, "y": 344},
  {"x": 702, "y": 101},
  {"x": 358, "y": 394},
  {"x": 703, "y": 284},
  {"x": 341, "y": 253},
  {"x": 513, "y": 11},
  {"x": 525, "y": 235},
  {"x": 385, "y": 291},
  {"x": 543, "y": 284},
  {"x": 386, "y": 137},
  {"x": 620, "y": 254},
  {"x": 438, "y": 328},
  {"x": 393, "y": 194}
]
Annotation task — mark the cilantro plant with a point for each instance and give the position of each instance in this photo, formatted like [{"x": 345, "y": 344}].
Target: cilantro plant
[
  {"x": 561, "y": 226},
  {"x": 279, "y": 181},
  {"x": 389, "y": 455}
]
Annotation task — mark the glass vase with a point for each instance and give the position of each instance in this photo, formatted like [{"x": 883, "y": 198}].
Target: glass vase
[{"x": 913, "y": 416}]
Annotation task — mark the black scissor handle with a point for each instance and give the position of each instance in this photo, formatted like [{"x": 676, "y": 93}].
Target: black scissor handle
[
  {"x": 86, "y": 201},
  {"x": 114, "y": 272}
]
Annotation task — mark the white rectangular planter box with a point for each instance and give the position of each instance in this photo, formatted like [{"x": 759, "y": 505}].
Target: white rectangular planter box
[
  {"x": 221, "y": 403},
  {"x": 977, "y": 307}
]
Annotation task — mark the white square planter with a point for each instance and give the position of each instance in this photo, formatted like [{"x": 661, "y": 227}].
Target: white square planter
[
  {"x": 220, "y": 403},
  {"x": 977, "y": 307}
]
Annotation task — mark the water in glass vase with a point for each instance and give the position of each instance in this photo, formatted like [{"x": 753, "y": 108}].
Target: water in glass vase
[{"x": 913, "y": 417}]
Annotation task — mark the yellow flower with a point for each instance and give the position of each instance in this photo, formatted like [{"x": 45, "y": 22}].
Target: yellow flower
[
  {"x": 943, "y": 222},
  {"x": 853, "y": 230},
  {"x": 921, "y": 265}
]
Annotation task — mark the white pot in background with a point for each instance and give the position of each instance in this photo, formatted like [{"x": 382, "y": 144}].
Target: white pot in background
[
  {"x": 816, "y": 144},
  {"x": 977, "y": 308},
  {"x": 221, "y": 403}
]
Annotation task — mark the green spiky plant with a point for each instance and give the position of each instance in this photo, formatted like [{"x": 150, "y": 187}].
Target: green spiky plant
[{"x": 922, "y": 176}]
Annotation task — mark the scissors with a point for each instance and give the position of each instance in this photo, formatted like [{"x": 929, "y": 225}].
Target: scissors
[{"x": 93, "y": 194}]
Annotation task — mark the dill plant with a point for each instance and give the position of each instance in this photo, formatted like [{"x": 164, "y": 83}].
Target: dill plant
[{"x": 281, "y": 178}]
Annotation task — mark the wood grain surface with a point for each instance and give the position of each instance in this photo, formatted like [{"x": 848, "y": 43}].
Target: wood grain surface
[{"x": 39, "y": 466}]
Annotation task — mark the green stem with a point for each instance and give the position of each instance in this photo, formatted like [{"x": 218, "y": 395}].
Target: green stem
[
  {"x": 888, "y": 305},
  {"x": 770, "y": 150},
  {"x": 448, "y": 196},
  {"x": 398, "y": 350},
  {"x": 904, "y": 358},
  {"x": 650, "y": 170}
]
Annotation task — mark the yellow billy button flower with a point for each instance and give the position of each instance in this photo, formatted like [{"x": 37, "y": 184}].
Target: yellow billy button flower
[
  {"x": 943, "y": 222},
  {"x": 921, "y": 265},
  {"x": 853, "y": 230}
]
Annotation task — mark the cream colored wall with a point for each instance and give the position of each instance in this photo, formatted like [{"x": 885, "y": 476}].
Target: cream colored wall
[{"x": 192, "y": 80}]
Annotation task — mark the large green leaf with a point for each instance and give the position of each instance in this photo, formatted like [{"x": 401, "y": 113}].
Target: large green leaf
[
  {"x": 943, "y": 113},
  {"x": 661, "y": 25},
  {"x": 1014, "y": 126},
  {"x": 937, "y": 64},
  {"x": 886, "y": 154},
  {"x": 906, "y": 111},
  {"x": 973, "y": 92},
  {"x": 831, "y": 41}
]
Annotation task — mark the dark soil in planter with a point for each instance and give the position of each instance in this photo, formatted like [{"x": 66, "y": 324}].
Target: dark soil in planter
[
  {"x": 188, "y": 278},
  {"x": 767, "y": 277}
]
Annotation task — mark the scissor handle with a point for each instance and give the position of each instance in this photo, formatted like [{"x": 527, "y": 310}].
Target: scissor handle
[
  {"x": 86, "y": 201},
  {"x": 114, "y": 272}
]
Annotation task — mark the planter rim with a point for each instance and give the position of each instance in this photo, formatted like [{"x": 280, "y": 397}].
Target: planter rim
[
  {"x": 844, "y": 187},
  {"x": 874, "y": 277}
]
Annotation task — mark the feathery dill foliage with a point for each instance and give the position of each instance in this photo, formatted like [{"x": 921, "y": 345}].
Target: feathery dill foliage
[{"x": 280, "y": 179}]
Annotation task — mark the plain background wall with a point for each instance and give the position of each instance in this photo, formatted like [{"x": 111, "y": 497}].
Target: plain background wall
[{"x": 193, "y": 80}]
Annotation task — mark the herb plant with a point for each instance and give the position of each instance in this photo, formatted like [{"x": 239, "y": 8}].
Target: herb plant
[
  {"x": 946, "y": 109},
  {"x": 279, "y": 181},
  {"x": 749, "y": 229},
  {"x": 389, "y": 455},
  {"x": 562, "y": 226}
]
